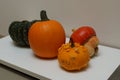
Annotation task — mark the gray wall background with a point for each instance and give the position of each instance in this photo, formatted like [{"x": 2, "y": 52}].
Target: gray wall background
[{"x": 103, "y": 15}]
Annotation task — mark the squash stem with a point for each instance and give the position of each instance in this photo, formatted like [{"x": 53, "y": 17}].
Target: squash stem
[
  {"x": 43, "y": 16},
  {"x": 72, "y": 43}
]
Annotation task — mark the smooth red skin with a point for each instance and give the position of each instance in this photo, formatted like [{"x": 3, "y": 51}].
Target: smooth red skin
[{"x": 82, "y": 34}]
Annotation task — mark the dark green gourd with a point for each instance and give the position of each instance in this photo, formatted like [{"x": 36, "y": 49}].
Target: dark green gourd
[{"x": 18, "y": 31}]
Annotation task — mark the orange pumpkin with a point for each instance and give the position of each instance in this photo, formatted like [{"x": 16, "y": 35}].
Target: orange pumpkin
[
  {"x": 46, "y": 36},
  {"x": 73, "y": 57}
]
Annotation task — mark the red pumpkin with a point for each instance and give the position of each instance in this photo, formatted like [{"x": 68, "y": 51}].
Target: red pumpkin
[{"x": 82, "y": 34}]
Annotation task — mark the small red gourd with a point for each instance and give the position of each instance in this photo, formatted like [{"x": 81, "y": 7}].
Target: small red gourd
[
  {"x": 86, "y": 36},
  {"x": 82, "y": 34}
]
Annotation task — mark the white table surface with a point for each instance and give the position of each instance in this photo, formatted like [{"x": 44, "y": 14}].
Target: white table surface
[{"x": 23, "y": 59}]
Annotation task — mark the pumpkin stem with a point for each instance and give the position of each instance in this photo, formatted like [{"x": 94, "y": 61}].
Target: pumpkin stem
[{"x": 43, "y": 16}]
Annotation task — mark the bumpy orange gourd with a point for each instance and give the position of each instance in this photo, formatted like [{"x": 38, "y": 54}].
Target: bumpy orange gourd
[
  {"x": 46, "y": 36},
  {"x": 73, "y": 57}
]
